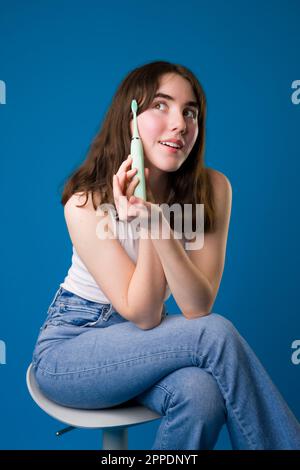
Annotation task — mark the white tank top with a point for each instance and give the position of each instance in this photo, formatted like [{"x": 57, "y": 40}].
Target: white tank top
[{"x": 81, "y": 282}]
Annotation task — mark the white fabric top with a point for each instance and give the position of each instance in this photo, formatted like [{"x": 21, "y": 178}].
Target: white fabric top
[{"x": 80, "y": 281}]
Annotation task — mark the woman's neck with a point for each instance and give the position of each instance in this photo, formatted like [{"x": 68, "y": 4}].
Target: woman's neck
[{"x": 159, "y": 184}]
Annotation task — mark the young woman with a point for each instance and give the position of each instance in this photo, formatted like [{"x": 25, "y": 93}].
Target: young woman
[{"x": 107, "y": 338}]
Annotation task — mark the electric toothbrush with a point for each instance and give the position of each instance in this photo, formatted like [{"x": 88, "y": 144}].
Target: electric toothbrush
[{"x": 137, "y": 154}]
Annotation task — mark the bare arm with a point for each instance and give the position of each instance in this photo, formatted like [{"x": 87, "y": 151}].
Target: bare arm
[
  {"x": 194, "y": 276},
  {"x": 147, "y": 286},
  {"x": 136, "y": 291},
  {"x": 189, "y": 286}
]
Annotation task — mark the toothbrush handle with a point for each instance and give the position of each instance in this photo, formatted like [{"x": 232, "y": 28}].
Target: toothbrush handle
[{"x": 136, "y": 151}]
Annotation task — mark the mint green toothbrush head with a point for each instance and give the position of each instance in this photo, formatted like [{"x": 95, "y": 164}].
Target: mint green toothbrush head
[{"x": 137, "y": 154}]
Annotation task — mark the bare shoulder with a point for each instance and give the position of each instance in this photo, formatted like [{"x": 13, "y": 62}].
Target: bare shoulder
[
  {"x": 222, "y": 191},
  {"x": 83, "y": 219},
  {"x": 220, "y": 182},
  {"x": 82, "y": 199}
]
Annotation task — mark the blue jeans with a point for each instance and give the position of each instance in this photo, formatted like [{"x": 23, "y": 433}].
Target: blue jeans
[{"x": 198, "y": 374}]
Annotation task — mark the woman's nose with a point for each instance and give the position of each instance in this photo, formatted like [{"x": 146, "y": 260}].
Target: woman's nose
[{"x": 177, "y": 122}]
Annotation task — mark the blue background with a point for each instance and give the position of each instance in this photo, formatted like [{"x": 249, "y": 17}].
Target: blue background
[{"x": 62, "y": 62}]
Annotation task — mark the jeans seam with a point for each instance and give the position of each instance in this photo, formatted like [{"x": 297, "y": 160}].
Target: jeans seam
[
  {"x": 171, "y": 403},
  {"x": 114, "y": 363},
  {"x": 225, "y": 394},
  {"x": 167, "y": 423},
  {"x": 236, "y": 413},
  {"x": 56, "y": 295},
  {"x": 163, "y": 387}
]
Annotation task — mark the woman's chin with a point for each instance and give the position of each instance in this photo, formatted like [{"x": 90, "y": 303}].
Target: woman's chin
[{"x": 167, "y": 165}]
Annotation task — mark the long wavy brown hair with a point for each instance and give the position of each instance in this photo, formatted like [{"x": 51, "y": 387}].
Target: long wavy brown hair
[{"x": 190, "y": 184}]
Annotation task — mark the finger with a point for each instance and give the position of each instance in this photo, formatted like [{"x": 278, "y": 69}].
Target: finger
[
  {"x": 123, "y": 207},
  {"x": 131, "y": 173},
  {"x": 141, "y": 209},
  {"x": 122, "y": 175},
  {"x": 122, "y": 180},
  {"x": 116, "y": 187},
  {"x": 136, "y": 200},
  {"x": 116, "y": 192},
  {"x": 126, "y": 163},
  {"x": 120, "y": 200},
  {"x": 139, "y": 202},
  {"x": 131, "y": 187},
  {"x": 134, "y": 182}
]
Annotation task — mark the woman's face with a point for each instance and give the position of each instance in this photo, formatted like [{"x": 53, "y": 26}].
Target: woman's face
[{"x": 167, "y": 119}]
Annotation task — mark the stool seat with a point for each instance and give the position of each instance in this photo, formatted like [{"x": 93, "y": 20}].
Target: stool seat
[{"x": 121, "y": 416}]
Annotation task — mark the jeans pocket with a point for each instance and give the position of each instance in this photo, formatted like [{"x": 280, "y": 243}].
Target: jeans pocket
[
  {"x": 69, "y": 309},
  {"x": 76, "y": 315}
]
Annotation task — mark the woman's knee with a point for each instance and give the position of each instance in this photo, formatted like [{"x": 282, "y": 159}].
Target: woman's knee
[
  {"x": 197, "y": 389},
  {"x": 218, "y": 326}
]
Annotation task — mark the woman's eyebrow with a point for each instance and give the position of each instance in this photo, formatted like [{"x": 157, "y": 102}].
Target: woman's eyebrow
[{"x": 168, "y": 97}]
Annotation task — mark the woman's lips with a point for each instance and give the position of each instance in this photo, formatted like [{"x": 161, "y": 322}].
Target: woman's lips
[{"x": 169, "y": 149}]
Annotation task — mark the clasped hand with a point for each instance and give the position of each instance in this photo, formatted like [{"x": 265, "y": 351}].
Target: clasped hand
[{"x": 129, "y": 206}]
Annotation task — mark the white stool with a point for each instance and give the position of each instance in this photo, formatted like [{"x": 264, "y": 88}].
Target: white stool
[{"x": 113, "y": 421}]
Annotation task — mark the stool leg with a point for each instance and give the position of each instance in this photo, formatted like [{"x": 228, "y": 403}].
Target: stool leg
[
  {"x": 115, "y": 438},
  {"x": 63, "y": 431}
]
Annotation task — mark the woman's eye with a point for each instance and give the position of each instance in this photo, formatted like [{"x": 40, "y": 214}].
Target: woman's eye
[
  {"x": 193, "y": 113},
  {"x": 157, "y": 104}
]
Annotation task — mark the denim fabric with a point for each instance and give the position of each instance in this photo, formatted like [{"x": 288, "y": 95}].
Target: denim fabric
[{"x": 198, "y": 374}]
